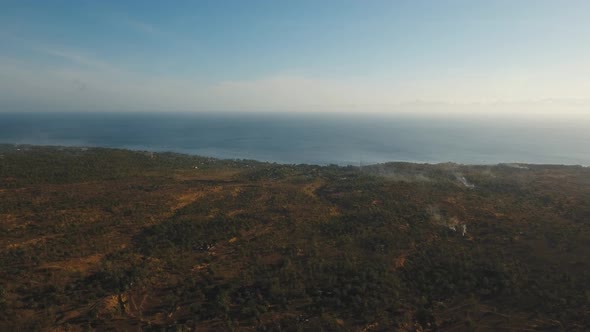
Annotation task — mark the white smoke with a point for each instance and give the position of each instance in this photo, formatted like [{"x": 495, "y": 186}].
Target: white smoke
[
  {"x": 464, "y": 181},
  {"x": 452, "y": 223}
]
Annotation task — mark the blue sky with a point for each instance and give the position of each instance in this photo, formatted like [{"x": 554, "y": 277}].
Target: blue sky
[{"x": 286, "y": 56}]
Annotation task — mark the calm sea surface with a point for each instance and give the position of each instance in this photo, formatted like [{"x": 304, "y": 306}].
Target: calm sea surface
[{"x": 316, "y": 139}]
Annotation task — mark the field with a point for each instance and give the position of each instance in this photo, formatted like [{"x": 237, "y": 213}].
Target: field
[{"x": 106, "y": 239}]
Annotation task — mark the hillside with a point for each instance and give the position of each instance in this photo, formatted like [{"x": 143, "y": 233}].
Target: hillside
[{"x": 113, "y": 239}]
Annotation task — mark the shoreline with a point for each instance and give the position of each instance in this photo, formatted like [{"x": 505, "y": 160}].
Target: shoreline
[{"x": 84, "y": 148}]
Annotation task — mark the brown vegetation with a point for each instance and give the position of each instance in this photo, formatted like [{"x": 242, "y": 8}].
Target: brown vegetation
[{"x": 109, "y": 239}]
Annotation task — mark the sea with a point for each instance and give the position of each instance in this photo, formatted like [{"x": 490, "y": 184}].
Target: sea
[{"x": 342, "y": 139}]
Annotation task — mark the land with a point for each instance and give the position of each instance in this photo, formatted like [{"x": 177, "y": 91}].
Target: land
[{"x": 107, "y": 239}]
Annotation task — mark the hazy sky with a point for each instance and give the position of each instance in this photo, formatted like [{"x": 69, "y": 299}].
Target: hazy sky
[{"x": 317, "y": 55}]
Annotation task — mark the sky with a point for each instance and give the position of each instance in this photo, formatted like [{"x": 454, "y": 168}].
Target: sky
[{"x": 483, "y": 57}]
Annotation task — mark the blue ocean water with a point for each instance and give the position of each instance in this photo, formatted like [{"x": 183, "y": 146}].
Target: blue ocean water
[{"x": 309, "y": 138}]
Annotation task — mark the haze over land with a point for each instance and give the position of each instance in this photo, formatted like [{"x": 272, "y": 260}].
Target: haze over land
[{"x": 107, "y": 239}]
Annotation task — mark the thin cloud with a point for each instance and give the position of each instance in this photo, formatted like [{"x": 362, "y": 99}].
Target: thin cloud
[
  {"x": 76, "y": 57},
  {"x": 116, "y": 17},
  {"x": 141, "y": 26},
  {"x": 71, "y": 55}
]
